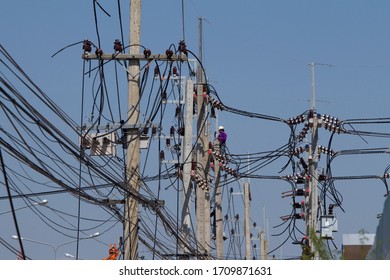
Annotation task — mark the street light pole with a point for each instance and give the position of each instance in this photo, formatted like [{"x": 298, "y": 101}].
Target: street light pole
[
  {"x": 70, "y": 256},
  {"x": 55, "y": 248},
  {"x": 35, "y": 241},
  {"x": 41, "y": 203}
]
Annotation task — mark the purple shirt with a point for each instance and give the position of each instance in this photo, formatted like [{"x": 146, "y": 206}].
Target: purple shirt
[{"x": 222, "y": 136}]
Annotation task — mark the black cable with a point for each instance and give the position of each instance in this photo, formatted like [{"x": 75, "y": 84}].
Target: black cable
[{"x": 11, "y": 204}]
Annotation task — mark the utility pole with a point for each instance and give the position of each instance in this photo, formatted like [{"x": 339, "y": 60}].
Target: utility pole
[
  {"x": 247, "y": 221},
  {"x": 312, "y": 198},
  {"x": 263, "y": 246},
  {"x": 187, "y": 162},
  {"x": 218, "y": 206},
  {"x": 202, "y": 194},
  {"x": 132, "y": 151},
  {"x": 131, "y": 128}
]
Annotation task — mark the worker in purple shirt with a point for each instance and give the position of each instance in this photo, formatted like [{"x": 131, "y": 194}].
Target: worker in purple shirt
[{"x": 222, "y": 136}]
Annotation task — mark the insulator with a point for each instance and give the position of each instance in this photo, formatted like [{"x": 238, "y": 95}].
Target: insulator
[
  {"x": 164, "y": 96},
  {"x": 212, "y": 113},
  {"x": 169, "y": 54},
  {"x": 311, "y": 122},
  {"x": 87, "y": 46},
  {"x": 193, "y": 165},
  {"x": 205, "y": 88},
  {"x": 178, "y": 112},
  {"x": 174, "y": 71},
  {"x": 326, "y": 125},
  {"x": 330, "y": 209},
  {"x": 95, "y": 141},
  {"x": 145, "y": 131},
  {"x": 99, "y": 52},
  {"x": 183, "y": 47},
  {"x": 154, "y": 130},
  {"x": 298, "y": 216},
  {"x": 297, "y": 205},
  {"x": 299, "y": 192},
  {"x": 326, "y": 118},
  {"x": 168, "y": 142},
  {"x": 156, "y": 72},
  {"x": 118, "y": 46},
  {"x": 211, "y": 147},
  {"x": 181, "y": 131},
  {"x": 172, "y": 131},
  {"x": 162, "y": 156},
  {"x": 300, "y": 180},
  {"x": 321, "y": 177},
  {"x": 147, "y": 53}
]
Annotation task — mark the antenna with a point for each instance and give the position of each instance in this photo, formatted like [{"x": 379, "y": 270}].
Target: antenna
[{"x": 313, "y": 92}]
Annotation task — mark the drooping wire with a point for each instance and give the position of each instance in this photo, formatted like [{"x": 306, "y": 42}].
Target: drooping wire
[{"x": 11, "y": 204}]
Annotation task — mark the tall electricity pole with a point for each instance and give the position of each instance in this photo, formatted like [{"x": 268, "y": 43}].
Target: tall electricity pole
[
  {"x": 247, "y": 221},
  {"x": 202, "y": 194},
  {"x": 132, "y": 127},
  {"x": 132, "y": 152},
  {"x": 312, "y": 198},
  {"x": 218, "y": 207},
  {"x": 187, "y": 162}
]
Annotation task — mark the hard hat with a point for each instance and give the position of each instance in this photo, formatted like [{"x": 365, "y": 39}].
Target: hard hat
[{"x": 220, "y": 127}]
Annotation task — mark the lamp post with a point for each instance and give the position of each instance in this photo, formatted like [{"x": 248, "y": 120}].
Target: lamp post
[
  {"x": 70, "y": 256},
  {"x": 41, "y": 203},
  {"x": 55, "y": 248}
]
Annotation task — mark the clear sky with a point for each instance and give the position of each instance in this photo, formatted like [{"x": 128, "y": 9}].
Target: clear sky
[{"x": 256, "y": 55}]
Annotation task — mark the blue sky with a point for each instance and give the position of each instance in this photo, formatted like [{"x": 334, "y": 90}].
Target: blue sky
[{"x": 257, "y": 56}]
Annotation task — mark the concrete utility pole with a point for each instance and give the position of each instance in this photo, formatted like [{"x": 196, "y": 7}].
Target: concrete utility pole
[
  {"x": 132, "y": 152},
  {"x": 218, "y": 206},
  {"x": 131, "y": 128},
  {"x": 187, "y": 162},
  {"x": 202, "y": 195},
  {"x": 247, "y": 230},
  {"x": 312, "y": 198},
  {"x": 263, "y": 246}
]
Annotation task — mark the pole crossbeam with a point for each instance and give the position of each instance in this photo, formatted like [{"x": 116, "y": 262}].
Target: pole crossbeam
[{"x": 135, "y": 57}]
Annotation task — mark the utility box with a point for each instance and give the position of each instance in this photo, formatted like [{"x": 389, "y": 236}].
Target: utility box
[
  {"x": 328, "y": 225},
  {"x": 144, "y": 141},
  {"x": 99, "y": 143}
]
